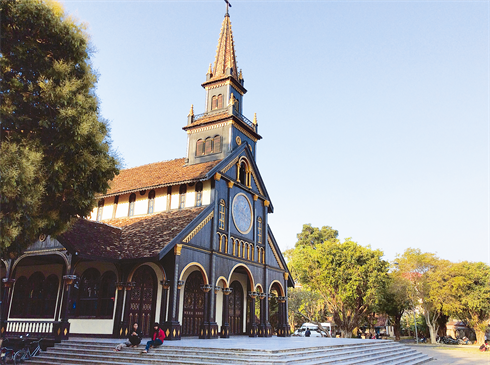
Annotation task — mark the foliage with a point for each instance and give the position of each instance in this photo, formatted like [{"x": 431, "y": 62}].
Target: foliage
[
  {"x": 347, "y": 276},
  {"x": 429, "y": 277},
  {"x": 305, "y": 306},
  {"x": 470, "y": 286},
  {"x": 55, "y": 145}
]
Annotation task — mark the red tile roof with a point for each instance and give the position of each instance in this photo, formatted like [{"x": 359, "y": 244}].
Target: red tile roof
[
  {"x": 158, "y": 174},
  {"x": 127, "y": 238}
]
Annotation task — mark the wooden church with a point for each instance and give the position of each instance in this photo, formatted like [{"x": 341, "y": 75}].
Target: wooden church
[{"x": 184, "y": 242}]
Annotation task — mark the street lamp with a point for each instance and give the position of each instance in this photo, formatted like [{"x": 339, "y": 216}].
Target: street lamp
[{"x": 414, "y": 319}]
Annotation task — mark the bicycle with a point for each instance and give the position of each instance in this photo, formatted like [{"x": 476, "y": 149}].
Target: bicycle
[
  {"x": 7, "y": 355},
  {"x": 25, "y": 353}
]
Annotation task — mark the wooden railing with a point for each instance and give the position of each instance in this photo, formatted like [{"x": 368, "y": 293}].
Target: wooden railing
[{"x": 55, "y": 330}]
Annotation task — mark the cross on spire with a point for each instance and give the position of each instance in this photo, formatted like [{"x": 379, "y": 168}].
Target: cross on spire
[{"x": 227, "y": 6}]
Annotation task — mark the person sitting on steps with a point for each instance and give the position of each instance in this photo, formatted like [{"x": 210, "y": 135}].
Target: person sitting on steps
[
  {"x": 158, "y": 337},
  {"x": 134, "y": 338}
]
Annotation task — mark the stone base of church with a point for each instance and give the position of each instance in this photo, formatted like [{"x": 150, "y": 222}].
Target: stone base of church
[
  {"x": 225, "y": 331},
  {"x": 172, "y": 330},
  {"x": 265, "y": 330},
  {"x": 284, "y": 331}
]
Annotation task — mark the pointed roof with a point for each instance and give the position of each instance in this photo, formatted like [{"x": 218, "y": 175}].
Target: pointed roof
[{"x": 225, "y": 53}]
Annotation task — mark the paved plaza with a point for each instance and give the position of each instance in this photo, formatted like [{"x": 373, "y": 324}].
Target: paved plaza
[
  {"x": 454, "y": 355},
  {"x": 248, "y": 343}
]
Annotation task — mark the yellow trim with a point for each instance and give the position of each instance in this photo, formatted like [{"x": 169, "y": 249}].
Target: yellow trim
[
  {"x": 149, "y": 264},
  {"x": 230, "y": 184},
  {"x": 271, "y": 244},
  {"x": 177, "y": 250},
  {"x": 282, "y": 289},
  {"x": 230, "y": 165},
  {"x": 224, "y": 279},
  {"x": 201, "y": 268},
  {"x": 217, "y": 176},
  {"x": 266, "y": 203},
  {"x": 257, "y": 286},
  {"x": 245, "y": 132},
  {"x": 249, "y": 272},
  {"x": 198, "y": 228}
]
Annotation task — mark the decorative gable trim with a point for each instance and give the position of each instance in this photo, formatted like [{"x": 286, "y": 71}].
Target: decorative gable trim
[
  {"x": 245, "y": 132},
  {"x": 232, "y": 162},
  {"x": 273, "y": 248},
  {"x": 199, "y": 227},
  {"x": 257, "y": 183}
]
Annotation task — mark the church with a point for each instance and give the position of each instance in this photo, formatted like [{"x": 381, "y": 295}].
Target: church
[{"x": 184, "y": 242}]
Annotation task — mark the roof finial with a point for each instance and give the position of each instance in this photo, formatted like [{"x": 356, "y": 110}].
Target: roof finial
[
  {"x": 210, "y": 69},
  {"x": 191, "y": 112},
  {"x": 227, "y": 5},
  {"x": 255, "y": 119}
]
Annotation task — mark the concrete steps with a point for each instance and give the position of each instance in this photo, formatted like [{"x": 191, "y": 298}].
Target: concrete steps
[{"x": 368, "y": 353}]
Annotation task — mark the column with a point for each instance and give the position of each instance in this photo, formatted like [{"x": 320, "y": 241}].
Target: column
[
  {"x": 281, "y": 331},
  {"x": 286, "y": 306},
  {"x": 172, "y": 326},
  {"x": 225, "y": 327},
  {"x": 118, "y": 328},
  {"x": 252, "y": 329},
  {"x": 164, "y": 302},
  {"x": 204, "y": 328}
]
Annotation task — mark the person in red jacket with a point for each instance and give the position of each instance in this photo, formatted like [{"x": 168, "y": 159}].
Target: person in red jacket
[{"x": 158, "y": 337}]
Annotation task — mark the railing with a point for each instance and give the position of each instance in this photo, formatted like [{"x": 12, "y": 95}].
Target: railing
[
  {"x": 55, "y": 330},
  {"x": 226, "y": 110}
]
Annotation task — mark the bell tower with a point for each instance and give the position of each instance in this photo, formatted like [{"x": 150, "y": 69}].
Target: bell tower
[{"x": 222, "y": 127}]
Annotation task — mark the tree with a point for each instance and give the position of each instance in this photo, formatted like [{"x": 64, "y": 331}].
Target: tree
[
  {"x": 395, "y": 299},
  {"x": 347, "y": 276},
  {"x": 470, "y": 286},
  {"x": 54, "y": 144},
  {"x": 430, "y": 285},
  {"x": 305, "y": 306},
  {"x": 312, "y": 235}
]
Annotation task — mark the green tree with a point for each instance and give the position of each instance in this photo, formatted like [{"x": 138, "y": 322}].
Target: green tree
[
  {"x": 429, "y": 278},
  {"x": 310, "y": 236},
  {"x": 54, "y": 144},
  {"x": 470, "y": 286},
  {"x": 347, "y": 276},
  {"x": 395, "y": 299},
  {"x": 305, "y": 306}
]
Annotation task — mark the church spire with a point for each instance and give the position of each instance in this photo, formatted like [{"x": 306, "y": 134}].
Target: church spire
[{"x": 225, "y": 63}]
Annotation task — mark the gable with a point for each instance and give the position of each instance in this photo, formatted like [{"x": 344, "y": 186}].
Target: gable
[{"x": 229, "y": 168}]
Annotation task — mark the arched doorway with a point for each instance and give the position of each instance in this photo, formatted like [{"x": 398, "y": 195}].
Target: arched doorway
[
  {"x": 193, "y": 315},
  {"x": 235, "y": 305},
  {"x": 143, "y": 299}
]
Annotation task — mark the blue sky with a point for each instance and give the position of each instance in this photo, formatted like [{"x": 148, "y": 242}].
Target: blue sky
[{"x": 374, "y": 115}]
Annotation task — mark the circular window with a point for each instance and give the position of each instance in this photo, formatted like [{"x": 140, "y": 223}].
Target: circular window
[{"x": 242, "y": 213}]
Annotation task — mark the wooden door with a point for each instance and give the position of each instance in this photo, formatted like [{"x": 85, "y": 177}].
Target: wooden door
[
  {"x": 193, "y": 315},
  {"x": 143, "y": 299},
  {"x": 235, "y": 306}
]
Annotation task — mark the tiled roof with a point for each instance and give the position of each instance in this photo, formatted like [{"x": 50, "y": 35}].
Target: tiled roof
[
  {"x": 158, "y": 174},
  {"x": 127, "y": 238},
  {"x": 225, "y": 53}
]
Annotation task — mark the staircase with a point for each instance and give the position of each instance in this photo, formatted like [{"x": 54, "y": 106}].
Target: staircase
[{"x": 94, "y": 352}]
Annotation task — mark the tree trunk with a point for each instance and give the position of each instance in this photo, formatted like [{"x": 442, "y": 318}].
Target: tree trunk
[
  {"x": 397, "y": 327},
  {"x": 480, "y": 336}
]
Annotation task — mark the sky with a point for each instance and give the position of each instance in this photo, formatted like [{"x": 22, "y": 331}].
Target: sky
[{"x": 374, "y": 114}]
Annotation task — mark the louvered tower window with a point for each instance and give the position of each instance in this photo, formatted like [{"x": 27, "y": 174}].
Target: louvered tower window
[
  {"x": 217, "y": 144},
  {"x": 200, "y": 147}
]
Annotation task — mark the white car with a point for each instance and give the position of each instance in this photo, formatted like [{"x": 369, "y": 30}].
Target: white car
[{"x": 315, "y": 332}]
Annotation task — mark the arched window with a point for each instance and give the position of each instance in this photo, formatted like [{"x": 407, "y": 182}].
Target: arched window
[
  {"x": 220, "y": 101},
  {"x": 132, "y": 199},
  {"x": 114, "y": 207},
  {"x": 151, "y": 201},
  {"x": 107, "y": 294},
  {"x": 182, "y": 193},
  {"x": 222, "y": 210},
  {"x": 214, "y": 102},
  {"x": 243, "y": 172},
  {"x": 88, "y": 293},
  {"x": 200, "y": 147},
  {"x": 100, "y": 208},
  {"x": 216, "y": 144},
  {"x": 208, "y": 149},
  {"x": 199, "y": 194},
  {"x": 259, "y": 230},
  {"x": 19, "y": 301},
  {"x": 236, "y": 106}
]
